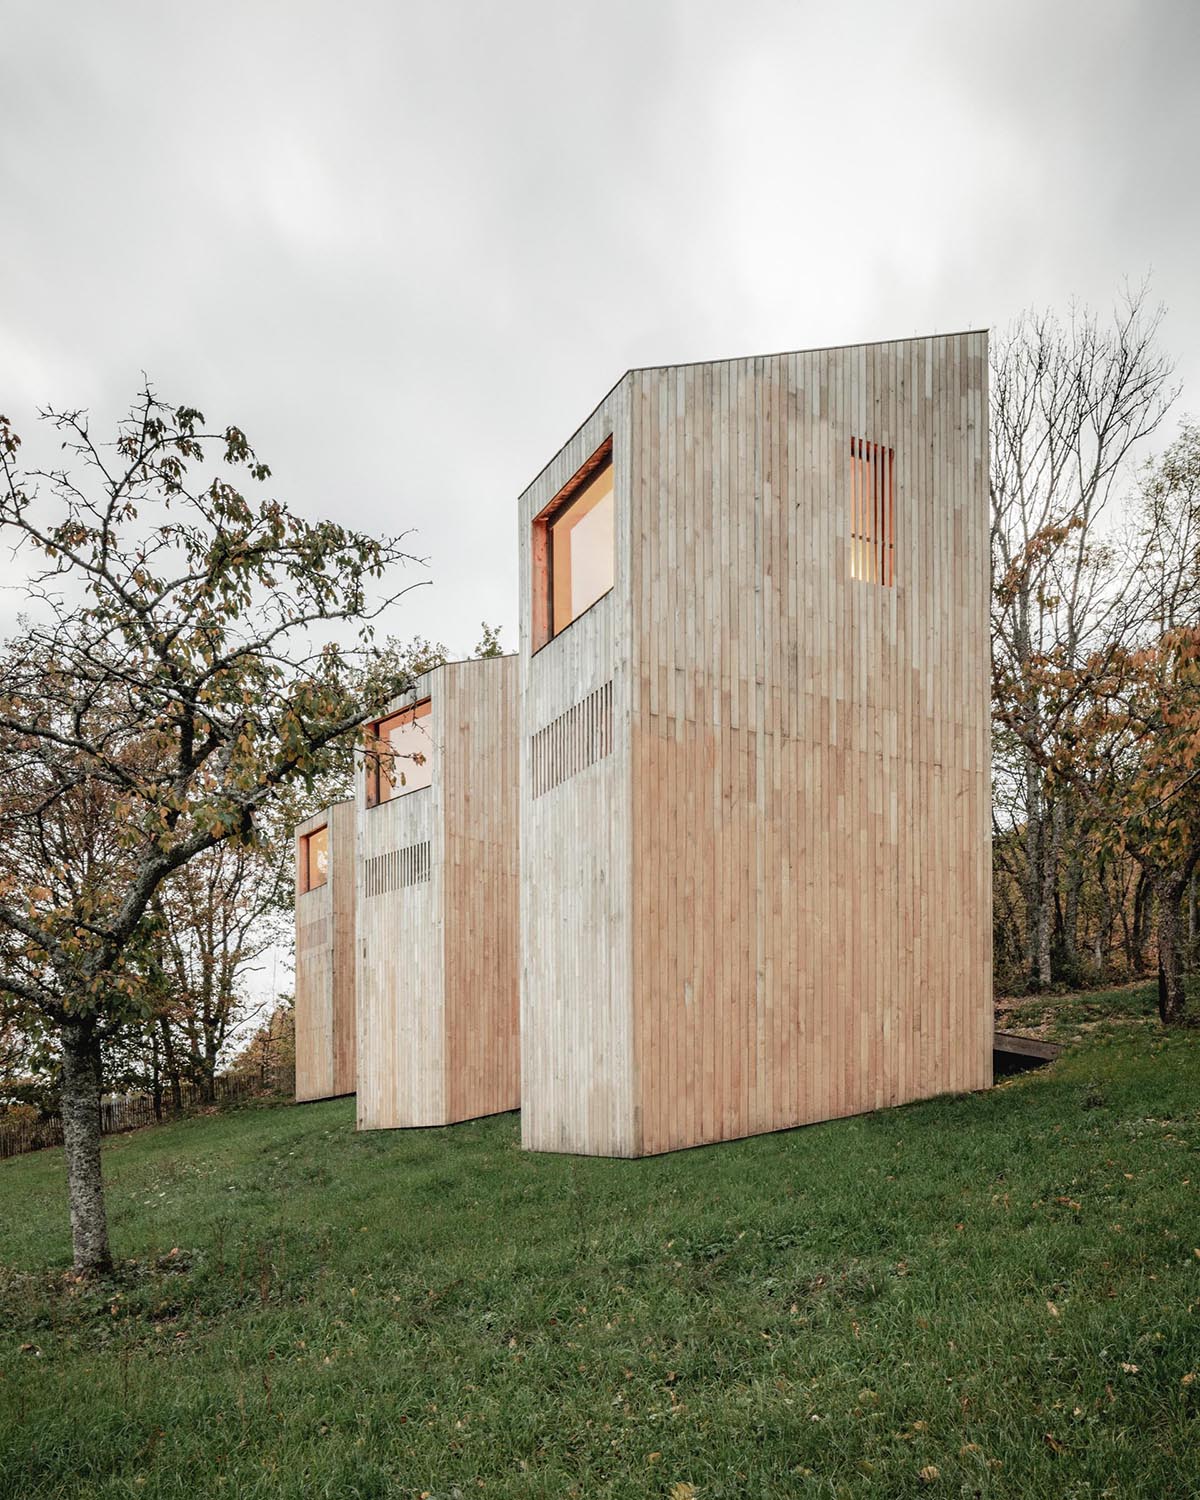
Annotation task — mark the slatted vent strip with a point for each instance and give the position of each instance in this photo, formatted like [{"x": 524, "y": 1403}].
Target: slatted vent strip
[
  {"x": 573, "y": 741},
  {"x": 872, "y": 512},
  {"x": 397, "y": 868}
]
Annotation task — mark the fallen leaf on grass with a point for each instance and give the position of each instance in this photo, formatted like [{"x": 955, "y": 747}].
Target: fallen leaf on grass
[
  {"x": 1054, "y": 1444},
  {"x": 930, "y": 1474},
  {"x": 682, "y": 1490}
]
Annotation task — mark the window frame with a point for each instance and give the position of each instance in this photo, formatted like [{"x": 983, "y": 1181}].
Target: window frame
[
  {"x": 542, "y": 627},
  {"x": 307, "y": 883},
  {"x": 372, "y": 758}
]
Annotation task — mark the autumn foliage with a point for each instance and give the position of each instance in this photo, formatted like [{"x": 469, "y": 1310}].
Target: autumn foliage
[{"x": 186, "y": 653}]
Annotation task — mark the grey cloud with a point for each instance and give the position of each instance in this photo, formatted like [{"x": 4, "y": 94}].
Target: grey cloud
[{"x": 408, "y": 247}]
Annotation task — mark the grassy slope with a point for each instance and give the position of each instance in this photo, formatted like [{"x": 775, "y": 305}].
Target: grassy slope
[{"x": 1005, "y": 1287}]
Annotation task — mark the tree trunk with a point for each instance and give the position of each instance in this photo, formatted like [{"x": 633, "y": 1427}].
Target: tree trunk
[
  {"x": 1034, "y": 836},
  {"x": 155, "y": 1077},
  {"x": 1172, "y": 999},
  {"x": 1044, "y": 970},
  {"x": 81, "y": 1142},
  {"x": 1103, "y": 929},
  {"x": 1141, "y": 921},
  {"x": 1067, "y": 832},
  {"x": 171, "y": 1063},
  {"x": 207, "y": 1073}
]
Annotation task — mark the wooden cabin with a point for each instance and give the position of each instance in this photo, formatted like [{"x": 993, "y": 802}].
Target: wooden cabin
[
  {"x": 755, "y": 790},
  {"x": 437, "y": 901},
  {"x": 325, "y": 898}
]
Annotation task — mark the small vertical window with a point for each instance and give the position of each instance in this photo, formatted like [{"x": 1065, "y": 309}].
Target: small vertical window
[
  {"x": 872, "y": 513},
  {"x": 398, "y": 754},
  {"x": 574, "y": 548},
  {"x": 314, "y": 858}
]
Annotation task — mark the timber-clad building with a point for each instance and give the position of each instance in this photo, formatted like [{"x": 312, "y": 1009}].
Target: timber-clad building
[
  {"x": 326, "y": 877},
  {"x": 723, "y": 823},
  {"x": 755, "y": 877}
]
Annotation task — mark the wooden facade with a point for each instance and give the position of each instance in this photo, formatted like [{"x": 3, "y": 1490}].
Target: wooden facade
[
  {"x": 325, "y": 980},
  {"x": 755, "y": 773},
  {"x": 437, "y": 894}
]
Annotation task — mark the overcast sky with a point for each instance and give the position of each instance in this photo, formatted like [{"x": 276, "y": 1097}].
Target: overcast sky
[{"x": 409, "y": 247}]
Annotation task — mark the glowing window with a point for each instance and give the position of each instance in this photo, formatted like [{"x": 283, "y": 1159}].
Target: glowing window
[
  {"x": 314, "y": 859},
  {"x": 872, "y": 513},
  {"x": 574, "y": 558},
  {"x": 398, "y": 754}
]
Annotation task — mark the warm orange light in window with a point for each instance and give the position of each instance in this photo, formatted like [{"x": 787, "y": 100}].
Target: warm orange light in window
[
  {"x": 399, "y": 755},
  {"x": 581, "y": 550},
  {"x": 573, "y": 548},
  {"x": 872, "y": 513},
  {"x": 314, "y": 859}
]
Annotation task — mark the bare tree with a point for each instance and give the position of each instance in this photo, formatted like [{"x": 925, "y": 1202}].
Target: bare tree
[
  {"x": 218, "y": 916},
  {"x": 1069, "y": 406}
]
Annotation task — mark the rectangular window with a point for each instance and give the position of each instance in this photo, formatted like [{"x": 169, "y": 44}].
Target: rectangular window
[
  {"x": 398, "y": 754},
  {"x": 574, "y": 556},
  {"x": 872, "y": 513},
  {"x": 314, "y": 858}
]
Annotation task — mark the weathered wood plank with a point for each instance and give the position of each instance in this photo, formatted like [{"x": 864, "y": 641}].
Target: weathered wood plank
[
  {"x": 437, "y": 931},
  {"x": 325, "y": 970}
]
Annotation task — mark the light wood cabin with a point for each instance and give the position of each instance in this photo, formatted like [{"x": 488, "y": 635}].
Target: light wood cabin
[
  {"x": 437, "y": 901},
  {"x": 755, "y": 749},
  {"x": 325, "y": 897}
]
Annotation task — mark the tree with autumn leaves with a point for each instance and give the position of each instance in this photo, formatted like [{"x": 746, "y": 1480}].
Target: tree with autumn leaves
[
  {"x": 1073, "y": 402},
  {"x": 186, "y": 653},
  {"x": 1119, "y": 724}
]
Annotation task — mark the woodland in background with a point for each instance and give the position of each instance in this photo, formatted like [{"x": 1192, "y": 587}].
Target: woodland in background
[{"x": 1096, "y": 660}]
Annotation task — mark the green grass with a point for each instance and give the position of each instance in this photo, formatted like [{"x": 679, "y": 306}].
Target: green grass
[
  {"x": 1073, "y": 1017},
  {"x": 1002, "y": 1288}
]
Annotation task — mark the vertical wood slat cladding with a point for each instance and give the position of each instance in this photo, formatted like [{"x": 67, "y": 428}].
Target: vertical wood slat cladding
[
  {"x": 576, "y": 945},
  {"x": 325, "y": 981},
  {"x": 438, "y": 914},
  {"x": 795, "y": 903}
]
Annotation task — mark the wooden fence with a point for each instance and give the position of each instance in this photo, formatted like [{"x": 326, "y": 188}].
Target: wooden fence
[{"x": 121, "y": 1112}]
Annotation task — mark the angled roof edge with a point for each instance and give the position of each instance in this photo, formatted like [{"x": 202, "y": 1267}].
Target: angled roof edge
[
  {"x": 737, "y": 359},
  {"x": 298, "y": 828},
  {"x": 421, "y": 682}
]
